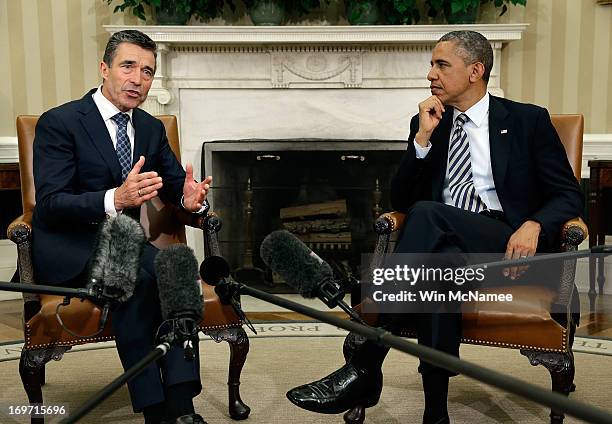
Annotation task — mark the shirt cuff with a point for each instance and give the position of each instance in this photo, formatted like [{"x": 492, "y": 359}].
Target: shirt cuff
[
  {"x": 421, "y": 151},
  {"x": 109, "y": 203},
  {"x": 205, "y": 206}
]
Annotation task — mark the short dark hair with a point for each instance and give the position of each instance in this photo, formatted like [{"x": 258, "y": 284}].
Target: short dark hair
[
  {"x": 473, "y": 47},
  {"x": 127, "y": 36}
]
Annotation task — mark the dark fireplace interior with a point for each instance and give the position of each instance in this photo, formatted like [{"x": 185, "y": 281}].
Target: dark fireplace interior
[{"x": 326, "y": 192}]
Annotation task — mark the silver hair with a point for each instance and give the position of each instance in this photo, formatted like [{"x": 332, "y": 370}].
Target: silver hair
[
  {"x": 473, "y": 47},
  {"x": 131, "y": 36}
]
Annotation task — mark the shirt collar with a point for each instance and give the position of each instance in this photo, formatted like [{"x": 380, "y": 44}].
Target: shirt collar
[
  {"x": 106, "y": 108},
  {"x": 478, "y": 112}
]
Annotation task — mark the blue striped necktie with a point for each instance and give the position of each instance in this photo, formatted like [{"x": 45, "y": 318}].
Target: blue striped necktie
[
  {"x": 461, "y": 183},
  {"x": 124, "y": 149}
]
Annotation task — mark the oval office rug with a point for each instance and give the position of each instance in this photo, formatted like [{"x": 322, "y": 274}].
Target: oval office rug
[{"x": 284, "y": 355}]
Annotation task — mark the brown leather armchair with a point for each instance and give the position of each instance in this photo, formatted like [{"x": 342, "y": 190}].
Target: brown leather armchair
[
  {"x": 164, "y": 224},
  {"x": 532, "y": 329}
]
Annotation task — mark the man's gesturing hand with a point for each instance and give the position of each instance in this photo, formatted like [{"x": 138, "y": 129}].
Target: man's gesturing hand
[
  {"x": 194, "y": 193},
  {"x": 137, "y": 188},
  {"x": 430, "y": 115},
  {"x": 522, "y": 243}
]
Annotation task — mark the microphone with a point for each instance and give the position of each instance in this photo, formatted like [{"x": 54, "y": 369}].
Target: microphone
[
  {"x": 215, "y": 271},
  {"x": 113, "y": 267},
  {"x": 303, "y": 270},
  {"x": 180, "y": 294},
  {"x": 115, "y": 263}
]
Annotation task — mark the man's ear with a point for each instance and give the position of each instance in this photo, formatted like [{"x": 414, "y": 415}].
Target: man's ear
[
  {"x": 104, "y": 70},
  {"x": 478, "y": 71}
]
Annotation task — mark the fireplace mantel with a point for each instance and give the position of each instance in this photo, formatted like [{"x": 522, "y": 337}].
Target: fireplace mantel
[
  {"x": 286, "y": 82},
  {"x": 393, "y": 34}
]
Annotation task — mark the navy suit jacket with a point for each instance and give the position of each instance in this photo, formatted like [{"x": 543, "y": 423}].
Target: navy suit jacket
[
  {"x": 75, "y": 163},
  {"x": 533, "y": 178}
]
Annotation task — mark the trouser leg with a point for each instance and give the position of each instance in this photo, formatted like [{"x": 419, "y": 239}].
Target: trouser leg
[{"x": 135, "y": 324}]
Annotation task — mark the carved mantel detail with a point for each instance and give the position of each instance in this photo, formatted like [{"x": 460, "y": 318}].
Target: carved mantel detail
[{"x": 322, "y": 66}]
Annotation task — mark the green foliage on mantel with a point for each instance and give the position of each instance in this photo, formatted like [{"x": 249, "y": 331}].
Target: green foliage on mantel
[{"x": 392, "y": 12}]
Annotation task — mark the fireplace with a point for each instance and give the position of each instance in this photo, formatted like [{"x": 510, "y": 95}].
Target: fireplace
[{"x": 326, "y": 192}]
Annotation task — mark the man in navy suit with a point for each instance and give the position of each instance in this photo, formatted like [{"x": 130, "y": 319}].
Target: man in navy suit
[
  {"x": 101, "y": 156},
  {"x": 481, "y": 174}
]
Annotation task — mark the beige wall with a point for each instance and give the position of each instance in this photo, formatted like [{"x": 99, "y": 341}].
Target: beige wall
[
  {"x": 564, "y": 60},
  {"x": 50, "y": 51}
]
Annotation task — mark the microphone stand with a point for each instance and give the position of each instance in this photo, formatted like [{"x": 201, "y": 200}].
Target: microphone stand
[
  {"x": 81, "y": 293},
  {"x": 496, "y": 379},
  {"x": 94, "y": 293},
  {"x": 179, "y": 335},
  {"x": 603, "y": 250},
  {"x": 99, "y": 397}
]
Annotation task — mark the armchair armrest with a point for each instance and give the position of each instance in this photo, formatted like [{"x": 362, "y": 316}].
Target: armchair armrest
[
  {"x": 573, "y": 233},
  {"x": 210, "y": 224},
  {"x": 20, "y": 230},
  {"x": 20, "y": 233},
  {"x": 389, "y": 222}
]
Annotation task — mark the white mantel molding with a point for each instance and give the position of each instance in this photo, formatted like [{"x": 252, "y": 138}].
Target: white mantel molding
[{"x": 377, "y": 34}]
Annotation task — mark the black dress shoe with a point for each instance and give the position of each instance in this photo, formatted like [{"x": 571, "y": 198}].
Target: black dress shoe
[
  {"x": 341, "y": 390},
  {"x": 188, "y": 419}
]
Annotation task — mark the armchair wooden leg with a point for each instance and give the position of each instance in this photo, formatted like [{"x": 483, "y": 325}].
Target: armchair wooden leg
[
  {"x": 561, "y": 369},
  {"x": 32, "y": 376},
  {"x": 239, "y": 348}
]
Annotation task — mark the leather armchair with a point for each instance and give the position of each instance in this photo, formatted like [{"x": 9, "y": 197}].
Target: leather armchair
[
  {"x": 531, "y": 328},
  {"x": 164, "y": 224}
]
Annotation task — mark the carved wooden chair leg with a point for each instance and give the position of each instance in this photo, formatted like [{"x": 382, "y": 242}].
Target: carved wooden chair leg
[
  {"x": 239, "y": 348},
  {"x": 31, "y": 378},
  {"x": 355, "y": 415},
  {"x": 561, "y": 369}
]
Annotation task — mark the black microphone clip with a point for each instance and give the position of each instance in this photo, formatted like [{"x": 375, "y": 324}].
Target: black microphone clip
[
  {"x": 228, "y": 291},
  {"x": 330, "y": 293}
]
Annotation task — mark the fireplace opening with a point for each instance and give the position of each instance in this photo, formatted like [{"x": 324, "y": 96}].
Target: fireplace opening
[{"x": 326, "y": 192}]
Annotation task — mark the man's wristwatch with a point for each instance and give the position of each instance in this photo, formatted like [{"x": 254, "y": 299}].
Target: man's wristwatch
[{"x": 203, "y": 210}]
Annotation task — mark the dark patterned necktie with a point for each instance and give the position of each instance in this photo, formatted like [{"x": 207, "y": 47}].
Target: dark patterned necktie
[
  {"x": 461, "y": 184},
  {"x": 124, "y": 149}
]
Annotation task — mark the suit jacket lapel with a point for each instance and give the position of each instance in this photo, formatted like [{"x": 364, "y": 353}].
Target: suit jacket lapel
[
  {"x": 439, "y": 140},
  {"x": 98, "y": 133},
  {"x": 142, "y": 134},
  {"x": 500, "y": 134}
]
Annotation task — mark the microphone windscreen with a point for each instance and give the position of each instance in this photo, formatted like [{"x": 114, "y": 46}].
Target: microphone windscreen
[
  {"x": 116, "y": 258},
  {"x": 213, "y": 269},
  {"x": 177, "y": 281},
  {"x": 299, "y": 266}
]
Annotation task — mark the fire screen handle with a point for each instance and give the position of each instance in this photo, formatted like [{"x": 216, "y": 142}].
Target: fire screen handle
[
  {"x": 268, "y": 157},
  {"x": 352, "y": 157}
]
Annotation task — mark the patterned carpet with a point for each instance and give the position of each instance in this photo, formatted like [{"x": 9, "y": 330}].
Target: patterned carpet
[{"x": 285, "y": 355}]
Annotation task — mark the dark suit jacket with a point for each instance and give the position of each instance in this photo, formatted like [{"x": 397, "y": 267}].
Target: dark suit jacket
[
  {"x": 75, "y": 163},
  {"x": 533, "y": 178}
]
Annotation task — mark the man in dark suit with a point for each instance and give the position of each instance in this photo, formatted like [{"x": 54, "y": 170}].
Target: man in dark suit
[
  {"x": 101, "y": 156},
  {"x": 481, "y": 174}
]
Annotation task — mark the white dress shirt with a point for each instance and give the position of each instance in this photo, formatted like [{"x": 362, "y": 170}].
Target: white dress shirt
[
  {"x": 108, "y": 110},
  {"x": 477, "y": 129}
]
